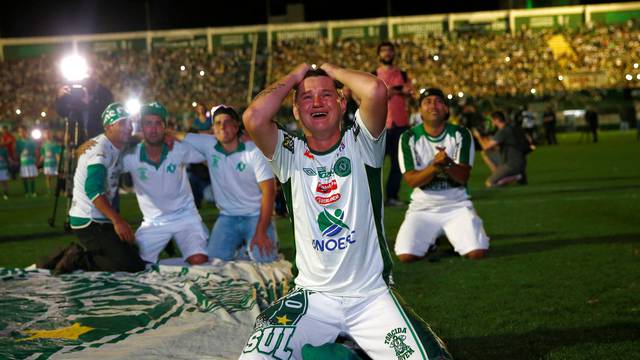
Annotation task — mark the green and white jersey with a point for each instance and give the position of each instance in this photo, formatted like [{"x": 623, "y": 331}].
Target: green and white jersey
[
  {"x": 234, "y": 176},
  {"x": 416, "y": 151},
  {"x": 163, "y": 189},
  {"x": 97, "y": 173},
  {"x": 4, "y": 158},
  {"x": 335, "y": 204},
  {"x": 27, "y": 150},
  {"x": 49, "y": 152}
]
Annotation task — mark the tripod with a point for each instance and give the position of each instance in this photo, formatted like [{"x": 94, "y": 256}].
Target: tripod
[{"x": 66, "y": 170}]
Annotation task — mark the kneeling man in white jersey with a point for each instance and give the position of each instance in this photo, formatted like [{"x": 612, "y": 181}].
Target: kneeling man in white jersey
[
  {"x": 435, "y": 159},
  {"x": 163, "y": 192},
  {"x": 332, "y": 180},
  {"x": 244, "y": 190}
]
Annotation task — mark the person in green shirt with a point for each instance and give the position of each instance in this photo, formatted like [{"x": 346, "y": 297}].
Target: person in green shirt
[
  {"x": 26, "y": 148},
  {"x": 50, "y": 153}
]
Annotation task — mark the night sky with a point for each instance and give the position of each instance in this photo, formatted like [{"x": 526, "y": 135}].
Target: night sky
[{"x": 19, "y": 18}]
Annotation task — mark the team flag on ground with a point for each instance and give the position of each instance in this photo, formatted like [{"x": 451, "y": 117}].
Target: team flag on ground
[{"x": 204, "y": 312}]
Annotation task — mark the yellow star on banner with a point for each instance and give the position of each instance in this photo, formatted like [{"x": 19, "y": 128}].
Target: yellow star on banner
[
  {"x": 282, "y": 320},
  {"x": 70, "y": 333}
]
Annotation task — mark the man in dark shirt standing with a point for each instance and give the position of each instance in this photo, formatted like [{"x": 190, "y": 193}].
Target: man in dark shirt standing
[
  {"x": 549, "y": 122},
  {"x": 504, "y": 153},
  {"x": 591, "y": 117},
  {"x": 399, "y": 89}
]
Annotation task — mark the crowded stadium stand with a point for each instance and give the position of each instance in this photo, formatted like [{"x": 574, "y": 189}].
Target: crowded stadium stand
[{"x": 518, "y": 55}]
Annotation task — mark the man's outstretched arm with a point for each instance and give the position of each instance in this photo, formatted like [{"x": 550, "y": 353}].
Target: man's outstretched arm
[{"x": 258, "y": 118}]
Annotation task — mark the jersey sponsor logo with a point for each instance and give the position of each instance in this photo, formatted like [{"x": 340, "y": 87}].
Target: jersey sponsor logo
[
  {"x": 272, "y": 340},
  {"x": 342, "y": 167},
  {"x": 323, "y": 173},
  {"x": 309, "y": 171},
  {"x": 331, "y": 225},
  {"x": 171, "y": 168},
  {"x": 241, "y": 166},
  {"x": 395, "y": 339},
  {"x": 326, "y": 188},
  {"x": 340, "y": 243},
  {"x": 214, "y": 161},
  {"x": 326, "y": 200},
  {"x": 308, "y": 154},
  {"x": 142, "y": 174},
  {"x": 287, "y": 143}
]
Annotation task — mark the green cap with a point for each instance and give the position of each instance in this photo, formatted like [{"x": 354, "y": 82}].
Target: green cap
[
  {"x": 114, "y": 113},
  {"x": 154, "y": 108}
]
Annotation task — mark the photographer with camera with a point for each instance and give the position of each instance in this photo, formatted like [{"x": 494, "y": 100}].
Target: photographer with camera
[{"x": 82, "y": 102}]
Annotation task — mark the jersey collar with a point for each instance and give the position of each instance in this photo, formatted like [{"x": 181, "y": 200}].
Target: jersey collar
[
  {"x": 220, "y": 149},
  {"x": 420, "y": 131},
  {"x": 144, "y": 158}
]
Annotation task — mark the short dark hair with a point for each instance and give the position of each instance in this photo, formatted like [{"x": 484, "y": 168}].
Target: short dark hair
[
  {"x": 315, "y": 73},
  {"x": 385, "y": 43},
  {"x": 499, "y": 115}
]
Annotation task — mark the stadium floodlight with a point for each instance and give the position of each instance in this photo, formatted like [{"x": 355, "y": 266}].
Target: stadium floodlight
[
  {"x": 18, "y": 111},
  {"x": 460, "y": 94},
  {"x": 629, "y": 77},
  {"x": 450, "y": 96},
  {"x": 36, "y": 134},
  {"x": 507, "y": 59},
  {"x": 43, "y": 114},
  {"x": 635, "y": 65},
  {"x": 533, "y": 91},
  {"x": 637, "y": 76},
  {"x": 207, "y": 114},
  {"x": 132, "y": 106},
  {"x": 183, "y": 68},
  {"x": 560, "y": 77},
  {"x": 74, "y": 68},
  {"x": 436, "y": 57},
  {"x": 314, "y": 67},
  {"x": 201, "y": 72},
  {"x": 194, "y": 104},
  {"x": 422, "y": 90}
]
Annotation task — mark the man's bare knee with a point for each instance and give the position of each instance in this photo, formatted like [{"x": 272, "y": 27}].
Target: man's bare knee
[
  {"x": 407, "y": 258},
  {"x": 476, "y": 254},
  {"x": 197, "y": 259}
]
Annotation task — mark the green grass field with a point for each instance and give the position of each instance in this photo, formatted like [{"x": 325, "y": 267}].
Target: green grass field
[{"x": 562, "y": 280}]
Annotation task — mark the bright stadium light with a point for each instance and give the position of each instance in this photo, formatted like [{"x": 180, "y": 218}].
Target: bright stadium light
[
  {"x": 207, "y": 114},
  {"x": 74, "y": 68},
  {"x": 43, "y": 114},
  {"x": 36, "y": 134},
  {"x": 450, "y": 96},
  {"x": 132, "y": 106},
  {"x": 183, "y": 68},
  {"x": 436, "y": 57},
  {"x": 560, "y": 77},
  {"x": 201, "y": 72},
  {"x": 637, "y": 76},
  {"x": 635, "y": 65},
  {"x": 533, "y": 91},
  {"x": 460, "y": 94},
  {"x": 194, "y": 104},
  {"x": 18, "y": 111},
  {"x": 422, "y": 91},
  {"x": 314, "y": 67},
  {"x": 507, "y": 59},
  {"x": 629, "y": 77}
]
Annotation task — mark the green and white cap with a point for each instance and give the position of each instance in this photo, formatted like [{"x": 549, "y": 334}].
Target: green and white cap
[
  {"x": 114, "y": 113},
  {"x": 154, "y": 108}
]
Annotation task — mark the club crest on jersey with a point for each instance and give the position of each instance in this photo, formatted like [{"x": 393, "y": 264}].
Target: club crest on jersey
[
  {"x": 142, "y": 172},
  {"x": 395, "y": 339},
  {"x": 171, "y": 168},
  {"x": 214, "y": 161},
  {"x": 342, "y": 167},
  {"x": 241, "y": 166},
  {"x": 331, "y": 225}
]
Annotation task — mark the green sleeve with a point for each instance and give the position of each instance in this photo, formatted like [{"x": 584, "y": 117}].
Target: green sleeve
[
  {"x": 96, "y": 179},
  {"x": 405, "y": 150},
  {"x": 465, "y": 147}
]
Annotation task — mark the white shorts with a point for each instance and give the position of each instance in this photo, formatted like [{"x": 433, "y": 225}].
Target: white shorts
[
  {"x": 50, "y": 171},
  {"x": 420, "y": 229},
  {"x": 28, "y": 171},
  {"x": 381, "y": 326},
  {"x": 4, "y": 175},
  {"x": 190, "y": 234}
]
